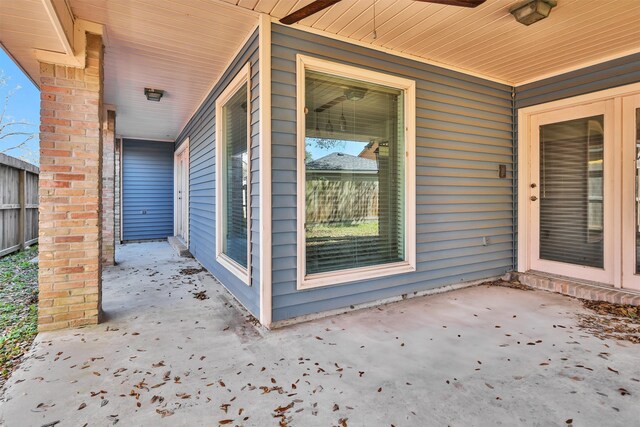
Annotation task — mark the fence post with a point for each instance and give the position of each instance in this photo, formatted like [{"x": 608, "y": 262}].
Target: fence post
[{"x": 22, "y": 216}]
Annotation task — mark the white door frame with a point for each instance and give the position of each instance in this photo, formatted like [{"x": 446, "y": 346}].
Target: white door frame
[
  {"x": 630, "y": 279},
  {"x": 524, "y": 169},
  {"x": 606, "y": 109},
  {"x": 183, "y": 150}
]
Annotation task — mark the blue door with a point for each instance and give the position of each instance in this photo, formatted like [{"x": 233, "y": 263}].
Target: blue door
[{"x": 147, "y": 190}]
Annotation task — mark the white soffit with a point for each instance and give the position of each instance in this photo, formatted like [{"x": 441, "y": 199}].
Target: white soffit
[
  {"x": 485, "y": 40},
  {"x": 25, "y": 26},
  {"x": 180, "y": 46},
  {"x": 183, "y": 46}
]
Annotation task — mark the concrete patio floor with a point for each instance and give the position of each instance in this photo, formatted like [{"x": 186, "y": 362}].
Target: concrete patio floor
[{"x": 478, "y": 356}]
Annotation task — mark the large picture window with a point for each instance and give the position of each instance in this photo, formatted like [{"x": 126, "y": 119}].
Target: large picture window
[
  {"x": 356, "y": 174},
  {"x": 232, "y": 176}
]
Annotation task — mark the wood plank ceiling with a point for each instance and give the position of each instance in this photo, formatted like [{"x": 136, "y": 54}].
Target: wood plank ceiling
[
  {"x": 179, "y": 46},
  {"x": 485, "y": 40},
  {"x": 24, "y": 26},
  {"x": 183, "y": 46}
]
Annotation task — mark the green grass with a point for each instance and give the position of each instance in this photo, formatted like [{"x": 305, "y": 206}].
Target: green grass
[
  {"x": 18, "y": 308},
  {"x": 360, "y": 229}
]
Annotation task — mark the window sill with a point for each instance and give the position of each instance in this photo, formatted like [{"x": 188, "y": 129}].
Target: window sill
[
  {"x": 233, "y": 267},
  {"x": 353, "y": 275}
]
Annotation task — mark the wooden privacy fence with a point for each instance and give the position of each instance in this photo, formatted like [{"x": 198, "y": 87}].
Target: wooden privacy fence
[
  {"x": 332, "y": 198},
  {"x": 18, "y": 204}
]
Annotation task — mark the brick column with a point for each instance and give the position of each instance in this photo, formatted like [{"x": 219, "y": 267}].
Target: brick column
[
  {"x": 108, "y": 188},
  {"x": 70, "y": 240}
]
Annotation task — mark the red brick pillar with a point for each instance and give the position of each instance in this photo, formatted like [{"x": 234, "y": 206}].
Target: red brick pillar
[
  {"x": 108, "y": 188},
  {"x": 70, "y": 240}
]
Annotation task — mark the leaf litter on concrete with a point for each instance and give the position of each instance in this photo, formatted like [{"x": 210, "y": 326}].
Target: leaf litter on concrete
[{"x": 609, "y": 320}]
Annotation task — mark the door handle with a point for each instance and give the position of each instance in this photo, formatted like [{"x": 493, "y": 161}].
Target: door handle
[{"x": 533, "y": 198}]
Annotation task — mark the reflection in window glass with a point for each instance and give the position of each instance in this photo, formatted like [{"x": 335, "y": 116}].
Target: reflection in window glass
[
  {"x": 354, "y": 173},
  {"x": 571, "y": 191},
  {"x": 235, "y": 175}
]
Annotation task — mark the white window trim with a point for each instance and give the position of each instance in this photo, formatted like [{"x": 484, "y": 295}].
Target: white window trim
[
  {"x": 181, "y": 149},
  {"x": 264, "y": 148},
  {"x": 242, "y": 78},
  {"x": 370, "y": 272}
]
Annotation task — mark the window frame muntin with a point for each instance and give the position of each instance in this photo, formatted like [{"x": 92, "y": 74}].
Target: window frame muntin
[
  {"x": 242, "y": 78},
  {"x": 408, "y": 86}
]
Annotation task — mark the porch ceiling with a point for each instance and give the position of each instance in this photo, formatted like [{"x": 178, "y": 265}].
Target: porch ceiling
[
  {"x": 180, "y": 46},
  {"x": 25, "y": 26},
  {"x": 485, "y": 40},
  {"x": 183, "y": 46}
]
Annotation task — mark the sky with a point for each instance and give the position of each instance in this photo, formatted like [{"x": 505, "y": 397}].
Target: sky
[
  {"x": 348, "y": 147},
  {"x": 23, "y": 106}
]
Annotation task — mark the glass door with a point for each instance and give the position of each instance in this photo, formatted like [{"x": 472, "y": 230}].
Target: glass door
[
  {"x": 178, "y": 206},
  {"x": 181, "y": 195},
  {"x": 571, "y": 184},
  {"x": 631, "y": 192}
]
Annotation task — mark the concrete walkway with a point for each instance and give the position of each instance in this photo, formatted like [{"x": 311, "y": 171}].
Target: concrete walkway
[{"x": 474, "y": 357}]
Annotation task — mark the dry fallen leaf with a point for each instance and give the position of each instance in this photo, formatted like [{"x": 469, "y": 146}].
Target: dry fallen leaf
[
  {"x": 202, "y": 295},
  {"x": 164, "y": 412},
  {"x": 156, "y": 398}
]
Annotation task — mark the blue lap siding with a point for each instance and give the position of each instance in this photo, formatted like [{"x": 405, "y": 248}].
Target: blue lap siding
[
  {"x": 464, "y": 132},
  {"x": 607, "y": 75},
  {"x": 147, "y": 190},
  {"x": 202, "y": 186}
]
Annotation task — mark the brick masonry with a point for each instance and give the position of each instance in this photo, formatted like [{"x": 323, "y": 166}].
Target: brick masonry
[
  {"x": 108, "y": 188},
  {"x": 70, "y": 240},
  {"x": 584, "y": 290}
]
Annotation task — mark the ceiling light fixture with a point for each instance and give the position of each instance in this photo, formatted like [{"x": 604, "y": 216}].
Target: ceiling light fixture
[
  {"x": 343, "y": 120},
  {"x": 153, "y": 94},
  {"x": 355, "y": 93},
  {"x": 532, "y": 11},
  {"x": 329, "y": 126}
]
